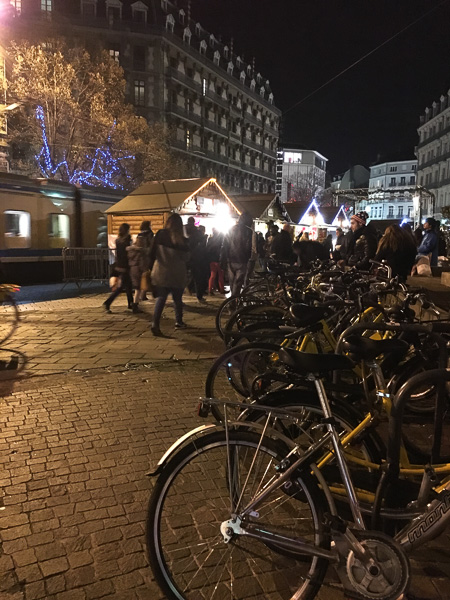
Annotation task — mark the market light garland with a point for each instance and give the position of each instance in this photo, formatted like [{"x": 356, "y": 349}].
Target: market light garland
[{"x": 104, "y": 169}]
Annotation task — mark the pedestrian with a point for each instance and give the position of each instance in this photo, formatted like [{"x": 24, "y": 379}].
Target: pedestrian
[
  {"x": 429, "y": 244},
  {"x": 168, "y": 263},
  {"x": 398, "y": 249},
  {"x": 261, "y": 251},
  {"x": 147, "y": 236},
  {"x": 213, "y": 250},
  {"x": 121, "y": 267},
  {"x": 191, "y": 233},
  {"x": 340, "y": 236},
  {"x": 199, "y": 263},
  {"x": 363, "y": 243},
  {"x": 328, "y": 245},
  {"x": 282, "y": 245},
  {"x": 138, "y": 260},
  {"x": 442, "y": 242},
  {"x": 237, "y": 251},
  {"x": 304, "y": 237}
]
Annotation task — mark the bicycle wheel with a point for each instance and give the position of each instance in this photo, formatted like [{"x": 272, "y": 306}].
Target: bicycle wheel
[
  {"x": 193, "y": 497},
  {"x": 9, "y": 317},
  {"x": 248, "y": 315},
  {"x": 232, "y": 374},
  {"x": 229, "y": 306}
]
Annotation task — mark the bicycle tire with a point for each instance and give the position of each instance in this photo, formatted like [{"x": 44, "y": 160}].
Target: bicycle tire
[
  {"x": 192, "y": 498},
  {"x": 228, "y": 307},
  {"x": 251, "y": 314}
]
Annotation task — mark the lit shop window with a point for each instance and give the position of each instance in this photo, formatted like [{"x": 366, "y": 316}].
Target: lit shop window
[
  {"x": 59, "y": 230},
  {"x": 17, "y": 229}
]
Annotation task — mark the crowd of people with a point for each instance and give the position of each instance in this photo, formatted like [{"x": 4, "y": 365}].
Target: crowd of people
[{"x": 180, "y": 257}]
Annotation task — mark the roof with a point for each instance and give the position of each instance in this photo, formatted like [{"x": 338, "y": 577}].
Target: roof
[
  {"x": 158, "y": 196},
  {"x": 296, "y": 210},
  {"x": 255, "y": 204}
]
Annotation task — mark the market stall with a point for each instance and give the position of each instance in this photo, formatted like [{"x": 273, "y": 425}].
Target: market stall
[{"x": 204, "y": 199}]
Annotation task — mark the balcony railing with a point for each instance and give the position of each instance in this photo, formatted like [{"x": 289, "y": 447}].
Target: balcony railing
[
  {"x": 435, "y": 136},
  {"x": 184, "y": 113},
  {"x": 216, "y": 127},
  {"x": 184, "y": 79}
]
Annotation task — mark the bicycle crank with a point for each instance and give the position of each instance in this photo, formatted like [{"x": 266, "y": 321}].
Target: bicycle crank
[{"x": 385, "y": 576}]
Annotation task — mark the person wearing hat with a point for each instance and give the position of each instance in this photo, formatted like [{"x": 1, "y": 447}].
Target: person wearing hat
[
  {"x": 429, "y": 244},
  {"x": 363, "y": 243}
]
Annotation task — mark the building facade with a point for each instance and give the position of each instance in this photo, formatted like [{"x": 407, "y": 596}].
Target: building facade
[
  {"x": 392, "y": 189},
  {"x": 433, "y": 152},
  {"x": 220, "y": 109},
  {"x": 300, "y": 174}
]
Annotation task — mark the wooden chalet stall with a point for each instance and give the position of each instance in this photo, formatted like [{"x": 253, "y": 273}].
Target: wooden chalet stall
[
  {"x": 263, "y": 208},
  {"x": 153, "y": 201},
  {"x": 317, "y": 221}
]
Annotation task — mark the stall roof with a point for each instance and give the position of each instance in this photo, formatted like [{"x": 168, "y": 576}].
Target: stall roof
[
  {"x": 254, "y": 204},
  {"x": 158, "y": 196},
  {"x": 296, "y": 210}
]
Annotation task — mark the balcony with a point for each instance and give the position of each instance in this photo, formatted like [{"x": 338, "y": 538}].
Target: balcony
[
  {"x": 434, "y": 137},
  {"x": 434, "y": 161},
  {"x": 252, "y": 119},
  {"x": 176, "y": 75},
  {"x": 234, "y": 109},
  {"x": 211, "y": 125},
  {"x": 250, "y": 143},
  {"x": 188, "y": 115},
  {"x": 217, "y": 99}
]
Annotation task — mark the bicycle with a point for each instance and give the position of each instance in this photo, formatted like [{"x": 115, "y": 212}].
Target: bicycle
[{"x": 9, "y": 310}]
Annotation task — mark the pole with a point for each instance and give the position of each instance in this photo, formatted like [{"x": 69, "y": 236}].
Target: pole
[{"x": 78, "y": 218}]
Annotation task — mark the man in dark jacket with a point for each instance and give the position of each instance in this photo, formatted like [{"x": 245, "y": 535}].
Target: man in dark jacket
[
  {"x": 282, "y": 245},
  {"x": 213, "y": 250},
  {"x": 429, "y": 243},
  {"x": 363, "y": 243},
  {"x": 237, "y": 251}
]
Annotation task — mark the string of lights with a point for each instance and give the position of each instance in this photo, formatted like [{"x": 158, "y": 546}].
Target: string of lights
[{"x": 104, "y": 169}]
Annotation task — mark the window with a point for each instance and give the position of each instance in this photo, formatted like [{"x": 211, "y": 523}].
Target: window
[
  {"x": 216, "y": 57},
  {"x": 400, "y": 211},
  {"x": 113, "y": 10},
  {"x": 204, "y": 86},
  {"x": 242, "y": 76},
  {"x": 182, "y": 16},
  {"x": 198, "y": 29},
  {"x": 59, "y": 230},
  {"x": 412, "y": 180},
  {"x": 393, "y": 169},
  {"x": 413, "y": 167},
  {"x": 252, "y": 85},
  {"x": 17, "y": 229},
  {"x": 114, "y": 52},
  {"x": 139, "y": 92},
  {"x": 402, "y": 180},
  {"x": 170, "y": 23},
  {"x": 230, "y": 68},
  {"x": 187, "y": 34},
  {"x": 139, "y": 58},
  {"x": 226, "y": 52},
  {"x": 89, "y": 8},
  {"x": 410, "y": 208},
  {"x": 203, "y": 47},
  {"x": 392, "y": 182},
  {"x": 262, "y": 91},
  {"x": 47, "y": 6},
  {"x": 292, "y": 157},
  {"x": 139, "y": 12},
  {"x": 391, "y": 211},
  {"x": 17, "y": 5},
  {"x": 188, "y": 139}
]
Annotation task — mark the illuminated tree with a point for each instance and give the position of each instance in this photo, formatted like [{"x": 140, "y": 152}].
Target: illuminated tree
[{"x": 74, "y": 123}]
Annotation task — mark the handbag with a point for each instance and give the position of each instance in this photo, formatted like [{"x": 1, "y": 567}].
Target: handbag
[
  {"x": 423, "y": 267},
  {"x": 146, "y": 281}
]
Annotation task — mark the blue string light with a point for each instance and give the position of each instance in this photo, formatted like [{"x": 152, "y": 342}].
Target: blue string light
[{"x": 104, "y": 169}]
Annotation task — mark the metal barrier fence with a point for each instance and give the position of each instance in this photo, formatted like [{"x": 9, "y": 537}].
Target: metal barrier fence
[{"x": 86, "y": 264}]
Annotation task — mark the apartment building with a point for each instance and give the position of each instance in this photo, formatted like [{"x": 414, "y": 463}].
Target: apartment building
[
  {"x": 220, "y": 108},
  {"x": 301, "y": 174}
]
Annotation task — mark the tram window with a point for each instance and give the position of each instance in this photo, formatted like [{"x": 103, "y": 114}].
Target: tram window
[
  {"x": 59, "y": 230},
  {"x": 17, "y": 229}
]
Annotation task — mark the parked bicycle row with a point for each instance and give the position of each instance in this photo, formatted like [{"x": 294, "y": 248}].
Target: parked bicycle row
[{"x": 326, "y": 443}]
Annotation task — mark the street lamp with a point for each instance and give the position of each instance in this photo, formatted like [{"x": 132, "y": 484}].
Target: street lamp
[{"x": 417, "y": 210}]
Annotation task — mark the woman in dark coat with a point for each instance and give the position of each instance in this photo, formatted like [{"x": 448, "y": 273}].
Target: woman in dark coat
[
  {"x": 122, "y": 268},
  {"x": 168, "y": 263},
  {"x": 137, "y": 260},
  {"x": 398, "y": 249}
]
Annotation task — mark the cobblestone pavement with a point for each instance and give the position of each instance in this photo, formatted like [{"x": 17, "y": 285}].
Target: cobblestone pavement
[
  {"x": 75, "y": 448},
  {"x": 76, "y": 333}
]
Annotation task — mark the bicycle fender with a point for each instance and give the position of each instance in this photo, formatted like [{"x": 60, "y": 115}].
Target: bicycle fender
[{"x": 178, "y": 443}]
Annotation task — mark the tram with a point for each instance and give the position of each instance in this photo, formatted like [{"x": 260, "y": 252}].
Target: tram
[{"x": 39, "y": 217}]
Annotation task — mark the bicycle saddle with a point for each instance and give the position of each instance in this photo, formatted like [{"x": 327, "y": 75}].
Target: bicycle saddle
[
  {"x": 303, "y": 314},
  {"x": 361, "y": 348},
  {"x": 304, "y": 362}
]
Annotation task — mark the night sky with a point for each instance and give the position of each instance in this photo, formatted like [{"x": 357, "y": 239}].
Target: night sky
[{"x": 370, "y": 112}]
